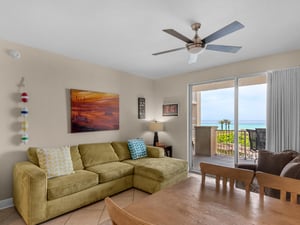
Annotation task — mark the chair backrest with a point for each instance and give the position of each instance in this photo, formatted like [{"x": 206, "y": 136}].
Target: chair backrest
[
  {"x": 283, "y": 184},
  {"x": 252, "y": 138},
  {"x": 260, "y": 138},
  {"x": 120, "y": 216},
  {"x": 233, "y": 174}
]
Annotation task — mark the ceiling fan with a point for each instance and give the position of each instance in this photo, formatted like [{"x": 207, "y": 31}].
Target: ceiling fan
[{"x": 197, "y": 45}]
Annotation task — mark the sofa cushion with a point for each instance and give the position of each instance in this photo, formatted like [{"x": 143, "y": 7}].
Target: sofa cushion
[
  {"x": 137, "y": 148},
  {"x": 122, "y": 150},
  {"x": 159, "y": 169},
  {"x": 31, "y": 155},
  {"x": 111, "y": 171},
  {"x": 70, "y": 184},
  {"x": 98, "y": 153},
  {"x": 76, "y": 158},
  {"x": 271, "y": 162},
  {"x": 155, "y": 152},
  {"x": 56, "y": 161}
]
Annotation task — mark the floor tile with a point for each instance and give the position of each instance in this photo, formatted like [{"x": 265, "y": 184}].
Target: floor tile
[
  {"x": 5, "y": 213},
  {"x": 13, "y": 219},
  {"x": 138, "y": 195},
  {"x": 106, "y": 222},
  {"x": 60, "y": 220},
  {"x": 84, "y": 216},
  {"x": 104, "y": 216}
]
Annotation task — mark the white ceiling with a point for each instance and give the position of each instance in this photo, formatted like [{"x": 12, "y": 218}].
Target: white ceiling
[{"x": 123, "y": 34}]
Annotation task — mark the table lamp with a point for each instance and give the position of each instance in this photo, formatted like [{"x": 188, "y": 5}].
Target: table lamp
[{"x": 155, "y": 127}]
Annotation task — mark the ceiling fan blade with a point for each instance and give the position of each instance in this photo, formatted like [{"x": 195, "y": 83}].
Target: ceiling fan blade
[
  {"x": 178, "y": 35},
  {"x": 234, "y": 26},
  {"x": 171, "y": 50},
  {"x": 193, "y": 58},
  {"x": 223, "y": 48}
]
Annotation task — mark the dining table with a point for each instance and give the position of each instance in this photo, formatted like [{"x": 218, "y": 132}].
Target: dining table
[{"x": 190, "y": 203}]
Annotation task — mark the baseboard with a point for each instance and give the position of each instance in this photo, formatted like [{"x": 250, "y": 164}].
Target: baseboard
[{"x": 6, "y": 203}]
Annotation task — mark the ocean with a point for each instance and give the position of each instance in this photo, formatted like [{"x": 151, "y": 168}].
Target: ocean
[{"x": 243, "y": 124}]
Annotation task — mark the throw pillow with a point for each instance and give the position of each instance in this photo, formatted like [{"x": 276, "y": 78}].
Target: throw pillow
[
  {"x": 291, "y": 170},
  {"x": 271, "y": 162},
  {"x": 137, "y": 148},
  {"x": 56, "y": 161},
  {"x": 296, "y": 159}
]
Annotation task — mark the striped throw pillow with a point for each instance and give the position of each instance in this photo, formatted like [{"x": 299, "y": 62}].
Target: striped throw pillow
[{"x": 137, "y": 148}]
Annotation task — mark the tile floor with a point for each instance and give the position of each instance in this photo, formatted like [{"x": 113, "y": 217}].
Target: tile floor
[{"x": 94, "y": 214}]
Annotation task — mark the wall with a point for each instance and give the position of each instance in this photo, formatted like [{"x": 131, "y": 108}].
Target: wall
[
  {"x": 177, "y": 128},
  {"x": 47, "y": 78}
]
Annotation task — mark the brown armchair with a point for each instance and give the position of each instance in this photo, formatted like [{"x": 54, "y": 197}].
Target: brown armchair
[{"x": 285, "y": 163}]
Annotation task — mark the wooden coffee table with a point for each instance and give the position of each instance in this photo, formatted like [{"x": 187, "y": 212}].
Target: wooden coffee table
[{"x": 189, "y": 203}]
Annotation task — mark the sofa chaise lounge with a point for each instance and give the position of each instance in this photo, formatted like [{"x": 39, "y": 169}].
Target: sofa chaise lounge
[{"x": 100, "y": 170}]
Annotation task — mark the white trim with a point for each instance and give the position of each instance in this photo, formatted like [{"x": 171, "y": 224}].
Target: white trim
[
  {"x": 189, "y": 127},
  {"x": 6, "y": 203},
  {"x": 236, "y": 120}
]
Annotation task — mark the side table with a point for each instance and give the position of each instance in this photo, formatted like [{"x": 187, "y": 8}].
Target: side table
[{"x": 168, "y": 150}]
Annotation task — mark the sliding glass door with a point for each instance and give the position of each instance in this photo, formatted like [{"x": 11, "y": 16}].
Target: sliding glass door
[{"x": 220, "y": 114}]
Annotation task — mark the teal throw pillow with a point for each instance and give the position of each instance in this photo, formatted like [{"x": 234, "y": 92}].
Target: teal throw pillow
[{"x": 137, "y": 148}]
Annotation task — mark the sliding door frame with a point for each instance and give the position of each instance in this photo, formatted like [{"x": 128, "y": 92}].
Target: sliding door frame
[{"x": 235, "y": 79}]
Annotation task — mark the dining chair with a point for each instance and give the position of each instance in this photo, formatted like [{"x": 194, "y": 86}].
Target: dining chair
[
  {"x": 120, "y": 216},
  {"x": 283, "y": 184},
  {"x": 227, "y": 173}
]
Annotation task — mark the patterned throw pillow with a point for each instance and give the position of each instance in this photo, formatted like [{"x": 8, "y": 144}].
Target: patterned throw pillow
[
  {"x": 56, "y": 161},
  {"x": 137, "y": 148}
]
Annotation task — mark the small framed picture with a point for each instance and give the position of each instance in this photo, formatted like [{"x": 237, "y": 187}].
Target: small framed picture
[
  {"x": 170, "y": 110},
  {"x": 141, "y": 108}
]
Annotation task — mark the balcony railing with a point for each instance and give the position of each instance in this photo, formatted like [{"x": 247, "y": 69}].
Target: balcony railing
[{"x": 225, "y": 143}]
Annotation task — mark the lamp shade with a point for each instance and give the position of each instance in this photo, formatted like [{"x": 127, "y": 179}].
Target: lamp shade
[{"x": 156, "y": 126}]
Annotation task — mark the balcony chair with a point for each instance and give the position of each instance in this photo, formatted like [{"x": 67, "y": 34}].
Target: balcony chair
[
  {"x": 260, "y": 138},
  {"x": 257, "y": 139}
]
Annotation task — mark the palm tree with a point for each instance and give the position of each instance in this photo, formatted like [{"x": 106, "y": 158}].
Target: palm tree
[
  {"x": 228, "y": 124},
  {"x": 222, "y": 123}
]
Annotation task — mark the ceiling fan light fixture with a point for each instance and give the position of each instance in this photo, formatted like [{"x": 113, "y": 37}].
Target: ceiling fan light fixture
[{"x": 195, "y": 48}]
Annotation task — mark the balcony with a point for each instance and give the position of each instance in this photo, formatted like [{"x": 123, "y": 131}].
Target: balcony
[{"x": 219, "y": 147}]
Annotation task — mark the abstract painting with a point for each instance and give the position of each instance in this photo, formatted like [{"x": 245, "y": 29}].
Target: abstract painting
[{"x": 94, "y": 111}]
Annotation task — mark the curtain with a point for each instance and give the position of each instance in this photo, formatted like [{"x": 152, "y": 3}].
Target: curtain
[{"x": 283, "y": 110}]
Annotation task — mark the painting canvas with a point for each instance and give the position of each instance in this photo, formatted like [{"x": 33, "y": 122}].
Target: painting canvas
[
  {"x": 94, "y": 111},
  {"x": 170, "y": 110}
]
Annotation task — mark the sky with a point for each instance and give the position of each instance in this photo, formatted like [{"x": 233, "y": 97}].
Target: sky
[{"x": 219, "y": 104}]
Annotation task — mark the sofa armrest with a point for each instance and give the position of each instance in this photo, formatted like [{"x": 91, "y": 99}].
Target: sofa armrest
[
  {"x": 155, "y": 152},
  {"x": 247, "y": 166},
  {"x": 30, "y": 192}
]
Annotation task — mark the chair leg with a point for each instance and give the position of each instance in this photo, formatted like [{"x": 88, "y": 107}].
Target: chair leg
[{"x": 255, "y": 156}]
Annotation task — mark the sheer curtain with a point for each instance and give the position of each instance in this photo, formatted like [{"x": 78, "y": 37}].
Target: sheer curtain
[{"x": 283, "y": 110}]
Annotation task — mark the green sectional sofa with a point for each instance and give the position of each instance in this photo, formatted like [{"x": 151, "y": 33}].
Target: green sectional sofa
[{"x": 100, "y": 170}]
